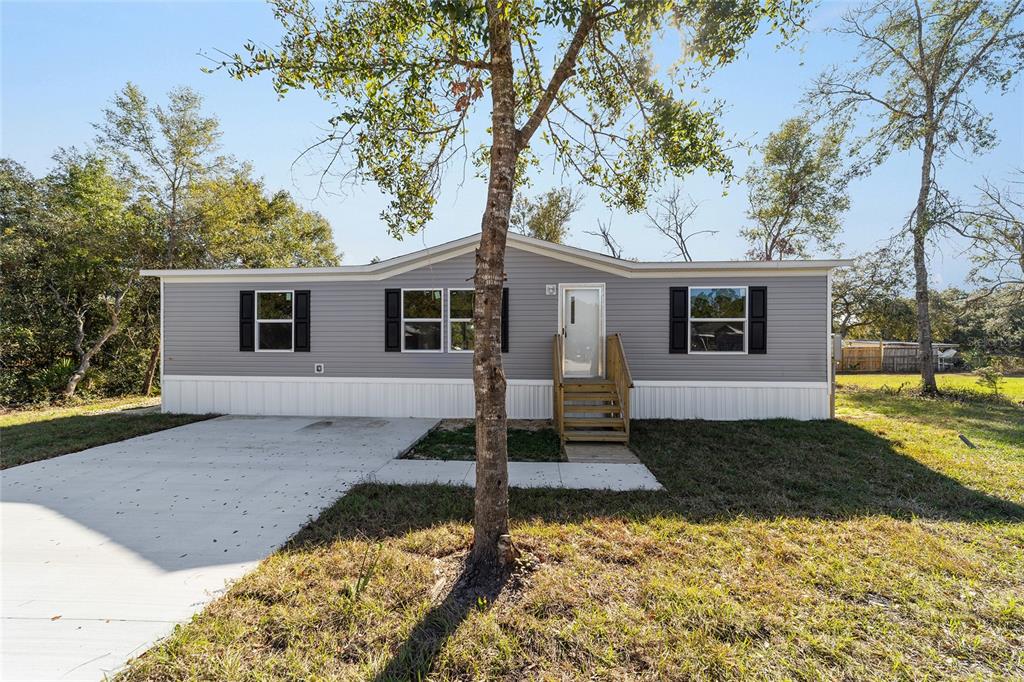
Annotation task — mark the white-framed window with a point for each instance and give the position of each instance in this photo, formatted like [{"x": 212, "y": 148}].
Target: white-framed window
[
  {"x": 718, "y": 319},
  {"x": 422, "y": 320},
  {"x": 275, "y": 315},
  {"x": 460, "y": 320}
]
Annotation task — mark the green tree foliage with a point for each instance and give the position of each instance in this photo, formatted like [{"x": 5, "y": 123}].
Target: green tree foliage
[
  {"x": 895, "y": 318},
  {"x": 415, "y": 83},
  {"x": 156, "y": 195},
  {"x": 797, "y": 194},
  {"x": 74, "y": 255},
  {"x": 990, "y": 378},
  {"x": 241, "y": 225},
  {"x": 165, "y": 150},
  {"x": 988, "y": 327},
  {"x": 868, "y": 294},
  {"x": 546, "y": 216},
  {"x": 917, "y": 66},
  {"x": 27, "y": 344},
  {"x": 171, "y": 154}
]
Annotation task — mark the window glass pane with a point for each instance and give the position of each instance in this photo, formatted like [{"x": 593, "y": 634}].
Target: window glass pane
[
  {"x": 275, "y": 335},
  {"x": 716, "y": 336},
  {"x": 460, "y": 304},
  {"x": 274, "y": 306},
  {"x": 423, "y": 335},
  {"x": 422, "y": 303},
  {"x": 462, "y": 336},
  {"x": 718, "y": 302}
]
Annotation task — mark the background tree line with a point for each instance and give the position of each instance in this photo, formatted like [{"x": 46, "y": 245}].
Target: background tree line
[
  {"x": 797, "y": 196},
  {"x": 154, "y": 192}
]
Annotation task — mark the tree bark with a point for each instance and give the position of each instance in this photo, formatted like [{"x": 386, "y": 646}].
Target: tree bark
[
  {"x": 147, "y": 383},
  {"x": 921, "y": 227},
  {"x": 85, "y": 358},
  {"x": 492, "y": 550}
]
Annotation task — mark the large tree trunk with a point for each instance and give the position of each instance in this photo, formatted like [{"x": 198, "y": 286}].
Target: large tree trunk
[
  {"x": 492, "y": 549},
  {"x": 85, "y": 355},
  {"x": 147, "y": 382},
  {"x": 921, "y": 227},
  {"x": 72, "y": 385},
  {"x": 85, "y": 360}
]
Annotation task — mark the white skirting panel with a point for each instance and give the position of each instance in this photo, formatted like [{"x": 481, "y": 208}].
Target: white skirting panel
[
  {"x": 394, "y": 397},
  {"x": 729, "y": 400},
  {"x": 344, "y": 397}
]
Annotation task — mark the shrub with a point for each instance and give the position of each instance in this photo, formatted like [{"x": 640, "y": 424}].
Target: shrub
[{"x": 989, "y": 377}]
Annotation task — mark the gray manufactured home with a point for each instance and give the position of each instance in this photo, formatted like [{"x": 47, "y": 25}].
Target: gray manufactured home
[{"x": 705, "y": 340}]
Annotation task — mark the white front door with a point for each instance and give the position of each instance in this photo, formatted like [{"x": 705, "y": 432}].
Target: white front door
[{"x": 582, "y": 319}]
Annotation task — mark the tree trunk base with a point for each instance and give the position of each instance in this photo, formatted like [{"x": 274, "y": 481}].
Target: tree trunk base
[{"x": 484, "y": 571}]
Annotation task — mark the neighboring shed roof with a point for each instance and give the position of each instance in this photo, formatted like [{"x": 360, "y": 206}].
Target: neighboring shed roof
[{"x": 458, "y": 247}]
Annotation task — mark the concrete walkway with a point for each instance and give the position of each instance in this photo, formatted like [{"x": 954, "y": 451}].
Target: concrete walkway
[
  {"x": 580, "y": 476},
  {"x": 600, "y": 453},
  {"x": 106, "y": 549}
]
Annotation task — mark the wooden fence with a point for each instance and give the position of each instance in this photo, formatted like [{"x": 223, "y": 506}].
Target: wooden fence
[
  {"x": 895, "y": 360},
  {"x": 861, "y": 359}
]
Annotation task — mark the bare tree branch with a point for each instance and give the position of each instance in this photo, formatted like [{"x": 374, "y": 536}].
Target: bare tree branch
[
  {"x": 604, "y": 231},
  {"x": 672, "y": 217}
]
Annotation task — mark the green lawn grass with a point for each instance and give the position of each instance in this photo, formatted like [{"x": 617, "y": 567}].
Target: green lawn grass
[
  {"x": 875, "y": 546},
  {"x": 1013, "y": 387},
  {"x": 35, "y": 434},
  {"x": 457, "y": 442}
]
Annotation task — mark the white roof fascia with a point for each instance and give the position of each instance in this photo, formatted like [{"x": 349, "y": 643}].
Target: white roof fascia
[
  {"x": 370, "y": 272},
  {"x": 625, "y": 268},
  {"x": 458, "y": 247}
]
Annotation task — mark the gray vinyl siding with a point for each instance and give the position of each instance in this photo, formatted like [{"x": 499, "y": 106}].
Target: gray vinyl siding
[{"x": 347, "y": 326}]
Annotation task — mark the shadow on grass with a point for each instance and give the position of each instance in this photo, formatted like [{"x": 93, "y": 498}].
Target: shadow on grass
[
  {"x": 416, "y": 657},
  {"x": 711, "y": 471}
]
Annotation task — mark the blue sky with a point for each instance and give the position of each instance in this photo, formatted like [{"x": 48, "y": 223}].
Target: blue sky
[{"x": 62, "y": 62}]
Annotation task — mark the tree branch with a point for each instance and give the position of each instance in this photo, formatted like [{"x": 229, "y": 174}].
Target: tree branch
[{"x": 561, "y": 74}]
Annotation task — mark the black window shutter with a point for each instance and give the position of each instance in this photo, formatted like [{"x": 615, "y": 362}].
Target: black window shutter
[
  {"x": 678, "y": 332},
  {"x": 758, "y": 321},
  {"x": 247, "y": 321},
  {"x": 393, "y": 320},
  {"x": 504, "y": 320},
  {"x": 301, "y": 321}
]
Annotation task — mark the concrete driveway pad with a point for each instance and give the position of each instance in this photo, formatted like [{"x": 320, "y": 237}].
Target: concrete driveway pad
[{"x": 105, "y": 549}]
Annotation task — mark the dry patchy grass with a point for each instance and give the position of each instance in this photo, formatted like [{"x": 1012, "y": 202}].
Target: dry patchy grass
[{"x": 875, "y": 546}]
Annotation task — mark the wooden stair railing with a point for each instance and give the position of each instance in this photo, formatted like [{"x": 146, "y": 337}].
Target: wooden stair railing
[
  {"x": 592, "y": 409},
  {"x": 617, "y": 369},
  {"x": 557, "y": 401}
]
